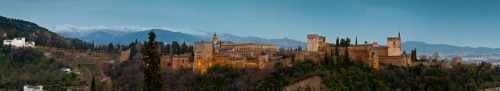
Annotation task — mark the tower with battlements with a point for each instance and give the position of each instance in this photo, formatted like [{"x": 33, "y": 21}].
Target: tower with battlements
[{"x": 394, "y": 46}]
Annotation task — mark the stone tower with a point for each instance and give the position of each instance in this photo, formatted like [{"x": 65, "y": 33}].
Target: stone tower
[
  {"x": 315, "y": 43},
  {"x": 215, "y": 39},
  {"x": 373, "y": 58},
  {"x": 203, "y": 54},
  {"x": 394, "y": 46}
]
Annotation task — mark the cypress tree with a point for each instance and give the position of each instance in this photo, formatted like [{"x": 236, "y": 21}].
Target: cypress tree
[
  {"x": 356, "y": 40},
  {"x": 184, "y": 48},
  {"x": 337, "y": 42},
  {"x": 337, "y": 49},
  {"x": 153, "y": 80},
  {"x": 92, "y": 85}
]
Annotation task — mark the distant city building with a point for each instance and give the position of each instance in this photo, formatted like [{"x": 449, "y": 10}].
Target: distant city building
[
  {"x": 456, "y": 60},
  {"x": 32, "y": 88},
  {"x": 124, "y": 55},
  {"x": 19, "y": 42}
]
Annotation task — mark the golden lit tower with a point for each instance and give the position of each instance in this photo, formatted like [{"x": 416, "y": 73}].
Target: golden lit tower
[{"x": 215, "y": 39}]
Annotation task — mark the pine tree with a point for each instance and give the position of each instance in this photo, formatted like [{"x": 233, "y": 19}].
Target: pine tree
[
  {"x": 184, "y": 48},
  {"x": 176, "y": 48},
  {"x": 111, "y": 48},
  {"x": 190, "y": 50},
  {"x": 153, "y": 80}
]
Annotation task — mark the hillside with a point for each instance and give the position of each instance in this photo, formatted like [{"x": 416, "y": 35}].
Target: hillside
[
  {"x": 41, "y": 65},
  {"x": 42, "y": 36}
]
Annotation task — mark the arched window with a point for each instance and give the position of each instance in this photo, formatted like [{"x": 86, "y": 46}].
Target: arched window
[{"x": 394, "y": 44}]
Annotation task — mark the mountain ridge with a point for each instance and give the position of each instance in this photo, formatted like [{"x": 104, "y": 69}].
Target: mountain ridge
[
  {"x": 448, "y": 50},
  {"x": 103, "y": 35}
]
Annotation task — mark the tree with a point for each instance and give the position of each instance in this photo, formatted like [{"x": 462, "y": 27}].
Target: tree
[
  {"x": 153, "y": 80},
  {"x": 348, "y": 41},
  {"x": 184, "y": 48},
  {"x": 342, "y": 43},
  {"x": 337, "y": 55},
  {"x": 299, "y": 48},
  {"x": 190, "y": 50},
  {"x": 111, "y": 48},
  {"x": 92, "y": 85},
  {"x": 346, "y": 54},
  {"x": 176, "y": 48},
  {"x": 337, "y": 41},
  {"x": 356, "y": 40},
  {"x": 168, "y": 49},
  {"x": 414, "y": 54}
]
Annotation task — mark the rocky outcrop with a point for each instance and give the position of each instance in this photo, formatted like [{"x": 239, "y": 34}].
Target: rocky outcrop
[{"x": 311, "y": 83}]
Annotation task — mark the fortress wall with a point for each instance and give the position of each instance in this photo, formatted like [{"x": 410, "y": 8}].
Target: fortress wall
[
  {"x": 395, "y": 60},
  {"x": 382, "y": 51},
  {"x": 424, "y": 63}
]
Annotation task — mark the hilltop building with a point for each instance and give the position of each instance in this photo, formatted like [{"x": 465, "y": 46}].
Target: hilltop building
[
  {"x": 124, "y": 55},
  {"x": 19, "y": 42},
  {"x": 372, "y": 54},
  {"x": 208, "y": 54},
  {"x": 27, "y": 87},
  {"x": 315, "y": 43}
]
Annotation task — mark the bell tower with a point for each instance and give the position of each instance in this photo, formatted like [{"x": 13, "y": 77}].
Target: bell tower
[{"x": 215, "y": 39}]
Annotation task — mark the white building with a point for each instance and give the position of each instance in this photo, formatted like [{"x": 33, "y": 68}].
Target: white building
[
  {"x": 67, "y": 70},
  {"x": 19, "y": 42},
  {"x": 32, "y": 88}
]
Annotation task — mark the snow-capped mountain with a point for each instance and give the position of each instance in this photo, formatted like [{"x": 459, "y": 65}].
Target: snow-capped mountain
[
  {"x": 75, "y": 31},
  {"x": 125, "y": 34}
]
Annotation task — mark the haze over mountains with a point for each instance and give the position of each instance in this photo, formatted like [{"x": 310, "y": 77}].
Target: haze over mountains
[{"x": 127, "y": 34}]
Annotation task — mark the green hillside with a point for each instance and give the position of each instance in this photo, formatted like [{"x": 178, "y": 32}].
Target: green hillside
[
  {"x": 32, "y": 32},
  {"x": 19, "y": 66}
]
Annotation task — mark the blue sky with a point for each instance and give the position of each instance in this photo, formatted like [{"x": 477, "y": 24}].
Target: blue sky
[{"x": 474, "y": 23}]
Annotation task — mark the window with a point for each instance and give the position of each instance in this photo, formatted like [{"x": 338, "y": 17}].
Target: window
[{"x": 373, "y": 55}]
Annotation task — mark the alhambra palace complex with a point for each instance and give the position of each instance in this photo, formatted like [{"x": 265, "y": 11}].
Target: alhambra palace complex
[
  {"x": 372, "y": 54},
  {"x": 263, "y": 56}
]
